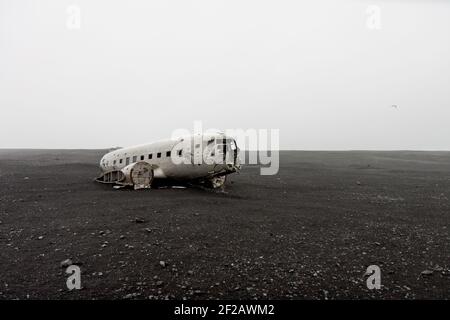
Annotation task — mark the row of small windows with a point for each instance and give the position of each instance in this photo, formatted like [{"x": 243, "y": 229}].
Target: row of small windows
[{"x": 150, "y": 156}]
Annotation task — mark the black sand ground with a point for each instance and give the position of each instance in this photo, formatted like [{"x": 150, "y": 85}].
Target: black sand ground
[{"x": 309, "y": 232}]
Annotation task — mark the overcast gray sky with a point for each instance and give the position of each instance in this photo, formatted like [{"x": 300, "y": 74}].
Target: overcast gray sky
[{"x": 136, "y": 70}]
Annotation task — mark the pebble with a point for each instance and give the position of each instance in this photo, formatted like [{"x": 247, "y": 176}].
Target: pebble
[
  {"x": 66, "y": 263},
  {"x": 426, "y": 272},
  {"x": 131, "y": 295}
]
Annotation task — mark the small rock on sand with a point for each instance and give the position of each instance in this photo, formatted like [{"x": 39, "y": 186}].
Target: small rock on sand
[{"x": 66, "y": 263}]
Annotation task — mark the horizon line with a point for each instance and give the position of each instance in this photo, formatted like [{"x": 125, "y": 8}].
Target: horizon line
[{"x": 244, "y": 150}]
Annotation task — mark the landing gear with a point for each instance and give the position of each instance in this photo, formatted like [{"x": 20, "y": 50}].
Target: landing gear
[{"x": 217, "y": 182}]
